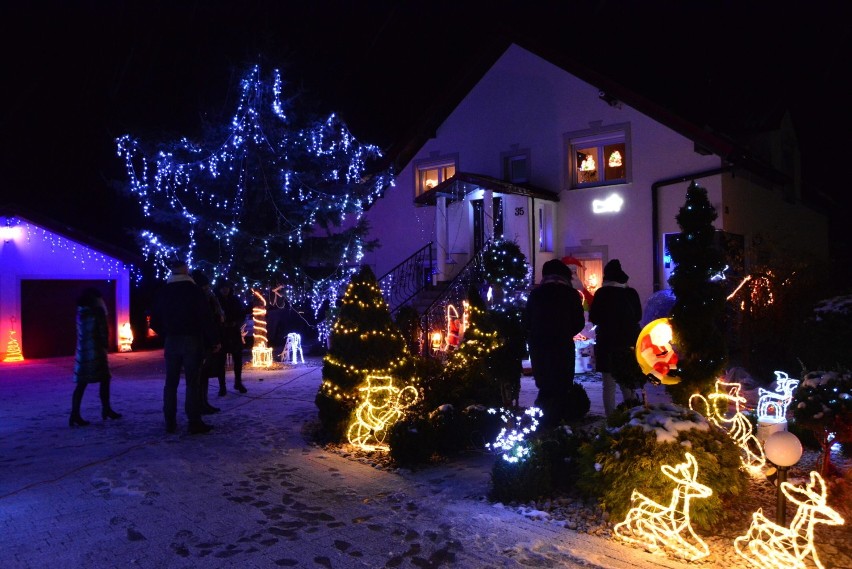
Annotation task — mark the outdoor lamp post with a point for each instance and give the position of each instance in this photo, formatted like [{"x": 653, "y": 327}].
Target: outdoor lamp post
[{"x": 783, "y": 449}]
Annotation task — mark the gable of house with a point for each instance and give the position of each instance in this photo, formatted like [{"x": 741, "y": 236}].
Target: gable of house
[{"x": 528, "y": 107}]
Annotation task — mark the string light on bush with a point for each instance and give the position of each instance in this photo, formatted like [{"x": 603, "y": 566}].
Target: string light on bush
[
  {"x": 668, "y": 528},
  {"x": 771, "y": 546},
  {"x": 511, "y": 440}
]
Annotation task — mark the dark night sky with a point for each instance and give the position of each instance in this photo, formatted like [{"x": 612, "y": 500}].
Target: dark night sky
[{"x": 78, "y": 74}]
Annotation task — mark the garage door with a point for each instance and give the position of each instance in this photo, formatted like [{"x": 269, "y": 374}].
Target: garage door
[{"x": 49, "y": 315}]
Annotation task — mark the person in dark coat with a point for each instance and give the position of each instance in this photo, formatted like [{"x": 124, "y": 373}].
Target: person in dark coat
[
  {"x": 181, "y": 316},
  {"x": 232, "y": 339},
  {"x": 90, "y": 357},
  {"x": 615, "y": 311},
  {"x": 553, "y": 316},
  {"x": 213, "y": 364}
]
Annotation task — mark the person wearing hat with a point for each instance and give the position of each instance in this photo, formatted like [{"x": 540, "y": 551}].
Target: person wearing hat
[
  {"x": 616, "y": 311},
  {"x": 553, "y": 316},
  {"x": 180, "y": 315}
]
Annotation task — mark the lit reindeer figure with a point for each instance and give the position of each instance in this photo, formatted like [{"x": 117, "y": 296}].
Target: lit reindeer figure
[
  {"x": 739, "y": 428},
  {"x": 293, "y": 348},
  {"x": 770, "y": 546},
  {"x": 655, "y": 526},
  {"x": 776, "y": 402}
]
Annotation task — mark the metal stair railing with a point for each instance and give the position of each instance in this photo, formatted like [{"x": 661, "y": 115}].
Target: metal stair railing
[
  {"x": 435, "y": 316},
  {"x": 407, "y": 279}
]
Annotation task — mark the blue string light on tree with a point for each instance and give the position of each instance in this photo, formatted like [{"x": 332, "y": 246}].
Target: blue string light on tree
[{"x": 261, "y": 197}]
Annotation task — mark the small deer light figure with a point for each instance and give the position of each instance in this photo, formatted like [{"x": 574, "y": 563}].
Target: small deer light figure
[
  {"x": 715, "y": 407},
  {"x": 771, "y": 405},
  {"x": 656, "y": 527},
  {"x": 293, "y": 349},
  {"x": 770, "y": 546}
]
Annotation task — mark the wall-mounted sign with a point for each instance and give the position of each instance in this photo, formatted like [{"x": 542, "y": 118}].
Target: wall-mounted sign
[{"x": 612, "y": 204}]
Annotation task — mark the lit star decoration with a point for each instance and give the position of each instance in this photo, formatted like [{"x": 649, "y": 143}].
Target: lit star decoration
[
  {"x": 770, "y": 546},
  {"x": 668, "y": 528},
  {"x": 292, "y": 193},
  {"x": 511, "y": 439},
  {"x": 293, "y": 349},
  {"x": 261, "y": 355},
  {"x": 382, "y": 405},
  {"x": 715, "y": 407},
  {"x": 772, "y": 405}
]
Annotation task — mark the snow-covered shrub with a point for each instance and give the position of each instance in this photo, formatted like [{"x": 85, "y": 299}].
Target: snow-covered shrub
[
  {"x": 629, "y": 457},
  {"x": 524, "y": 480},
  {"x": 827, "y": 335},
  {"x": 411, "y": 441},
  {"x": 822, "y": 403}
]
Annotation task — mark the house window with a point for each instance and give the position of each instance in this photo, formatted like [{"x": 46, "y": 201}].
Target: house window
[
  {"x": 516, "y": 166},
  {"x": 545, "y": 227},
  {"x": 599, "y": 159},
  {"x": 432, "y": 173}
]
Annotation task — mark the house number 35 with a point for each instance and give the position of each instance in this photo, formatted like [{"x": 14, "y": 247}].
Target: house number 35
[{"x": 519, "y": 211}]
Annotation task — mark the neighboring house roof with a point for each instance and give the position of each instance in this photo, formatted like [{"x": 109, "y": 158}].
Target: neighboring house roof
[
  {"x": 462, "y": 183},
  {"x": 71, "y": 233},
  {"x": 705, "y": 138}
]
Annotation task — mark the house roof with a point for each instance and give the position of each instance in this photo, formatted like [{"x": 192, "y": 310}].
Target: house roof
[
  {"x": 462, "y": 183},
  {"x": 706, "y": 139},
  {"x": 71, "y": 233}
]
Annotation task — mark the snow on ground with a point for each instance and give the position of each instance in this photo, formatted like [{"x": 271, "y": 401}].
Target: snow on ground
[{"x": 257, "y": 492}]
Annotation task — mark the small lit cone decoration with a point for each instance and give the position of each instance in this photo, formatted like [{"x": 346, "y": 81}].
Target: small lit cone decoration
[
  {"x": 382, "y": 404},
  {"x": 125, "y": 338},
  {"x": 13, "y": 349},
  {"x": 511, "y": 441},
  {"x": 716, "y": 408},
  {"x": 293, "y": 349},
  {"x": 770, "y": 546},
  {"x": 261, "y": 356},
  {"x": 668, "y": 528},
  {"x": 655, "y": 353},
  {"x": 771, "y": 405}
]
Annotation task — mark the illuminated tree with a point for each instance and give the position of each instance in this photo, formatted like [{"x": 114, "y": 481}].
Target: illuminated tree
[
  {"x": 698, "y": 313},
  {"x": 266, "y": 198},
  {"x": 364, "y": 342}
]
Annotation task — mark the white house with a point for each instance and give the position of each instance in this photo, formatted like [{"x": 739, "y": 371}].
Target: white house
[
  {"x": 43, "y": 269},
  {"x": 571, "y": 166}
]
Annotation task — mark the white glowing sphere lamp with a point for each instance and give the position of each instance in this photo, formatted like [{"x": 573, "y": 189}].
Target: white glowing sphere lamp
[{"x": 783, "y": 449}]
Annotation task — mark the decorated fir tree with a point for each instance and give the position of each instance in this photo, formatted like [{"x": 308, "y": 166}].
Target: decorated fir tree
[
  {"x": 505, "y": 272},
  {"x": 698, "y": 313},
  {"x": 269, "y": 195},
  {"x": 364, "y": 342}
]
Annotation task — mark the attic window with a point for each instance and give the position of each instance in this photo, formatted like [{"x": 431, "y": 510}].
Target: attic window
[{"x": 599, "y": 160}]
